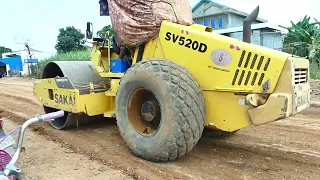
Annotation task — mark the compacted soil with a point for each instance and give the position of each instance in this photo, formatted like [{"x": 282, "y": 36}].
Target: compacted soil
[{"x": 286, "y": 149}]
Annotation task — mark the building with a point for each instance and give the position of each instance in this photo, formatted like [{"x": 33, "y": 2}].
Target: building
[
  {"x": 11, "y": 63},
  {"x": 219, "y": 16},
  {"x": 263, "y": 34},
  {"x": 14, "y": 62},
  {"x": 229, "y": 22}
]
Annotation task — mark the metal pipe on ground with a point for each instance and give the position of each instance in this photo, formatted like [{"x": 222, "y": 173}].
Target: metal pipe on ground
[{"x": 70, "y": 120}]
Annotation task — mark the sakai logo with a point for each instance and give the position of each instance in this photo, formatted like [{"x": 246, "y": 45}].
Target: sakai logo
[
  {"x": 186, "y": 42},
  {"x": 302, "y": 100},
  {"x": 64, "y": 99}
]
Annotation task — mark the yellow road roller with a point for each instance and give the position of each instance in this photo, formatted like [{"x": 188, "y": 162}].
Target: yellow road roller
[{"x": 168, "y": 91}]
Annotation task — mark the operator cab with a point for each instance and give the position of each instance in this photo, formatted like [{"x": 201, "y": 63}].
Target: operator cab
[{"x": 123, "y": 53}]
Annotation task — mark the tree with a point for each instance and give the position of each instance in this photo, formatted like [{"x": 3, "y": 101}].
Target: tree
[
  {"x": 303, "y": 39},
  {"x": 4, "y": 50},
  {"x": 102, "y": 32},
  {"x": 70, "y": 39}
]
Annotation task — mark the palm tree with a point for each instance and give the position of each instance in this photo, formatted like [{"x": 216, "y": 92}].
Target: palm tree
[{"x": 303, "y": 39}]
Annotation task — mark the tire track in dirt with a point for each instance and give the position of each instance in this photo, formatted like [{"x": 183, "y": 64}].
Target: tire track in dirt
[
  {"x": 38, "y": 162},
  {"x": 21, "y": 98},
  {"x": 83, "y": 140},
  {"x": 281, "y": 150},
  {"x": 15, "y": 85}
]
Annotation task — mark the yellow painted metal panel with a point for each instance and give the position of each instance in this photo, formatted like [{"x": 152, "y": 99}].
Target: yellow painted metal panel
[
  {"x": 229, "y": 112},
  {"x": 214, "y": 59},
  {"x": 96, "y": 59},
  {"x": 114, "y": 87},
  {"x": 100, "y": 58},
  {"x": 301, "y": 82},
  {"x": 47, "y": 91},
  {"x": 222, "y": 66},
  {"x": 150, "y": 47},
  {"x": 95, "y": 103},
  {"x": 226, "y": 111},
  {"x": 50, "y": 95}
]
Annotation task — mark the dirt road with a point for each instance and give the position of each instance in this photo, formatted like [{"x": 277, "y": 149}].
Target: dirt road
[
  {"x": 287, "y": 149},
  {"x": 43, "y": 159}
]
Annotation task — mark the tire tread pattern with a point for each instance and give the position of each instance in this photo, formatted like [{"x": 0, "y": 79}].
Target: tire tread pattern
[{"x": 189, "y": 109}]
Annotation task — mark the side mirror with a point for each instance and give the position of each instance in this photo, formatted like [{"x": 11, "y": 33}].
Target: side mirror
[{"x": 89, "y": 31}]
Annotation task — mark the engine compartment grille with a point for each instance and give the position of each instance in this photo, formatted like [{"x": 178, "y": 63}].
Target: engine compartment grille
[
  {"x": 300, "y": 75},
  {"x": 251, "y": 69}
]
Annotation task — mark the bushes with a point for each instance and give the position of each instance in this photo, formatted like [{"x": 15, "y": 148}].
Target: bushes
[
  {"x": 314, "y": 70},
  {"x": 303, "y": 40},
  {"x": 37, "y": 69}
]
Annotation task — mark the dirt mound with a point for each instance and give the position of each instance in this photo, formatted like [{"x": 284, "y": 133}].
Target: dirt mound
[{"x": 315, "y": 87}]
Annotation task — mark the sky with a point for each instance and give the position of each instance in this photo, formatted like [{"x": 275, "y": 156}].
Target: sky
[{"x": 39, "y": 21}]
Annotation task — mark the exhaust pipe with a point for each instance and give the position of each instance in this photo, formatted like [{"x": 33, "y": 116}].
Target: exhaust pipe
[{"x": 247, "y": 25}]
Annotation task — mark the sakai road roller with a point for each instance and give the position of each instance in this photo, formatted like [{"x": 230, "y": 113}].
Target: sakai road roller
[{"x": 166, "y": 92}]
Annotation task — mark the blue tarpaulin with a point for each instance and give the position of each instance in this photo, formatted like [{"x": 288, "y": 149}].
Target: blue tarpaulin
[{"x": 15, "y": 63}]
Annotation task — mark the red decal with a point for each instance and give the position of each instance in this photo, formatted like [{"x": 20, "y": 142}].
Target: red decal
[
  {"x": 234, "y": 47},
  {"x": 187, "y": 32}
]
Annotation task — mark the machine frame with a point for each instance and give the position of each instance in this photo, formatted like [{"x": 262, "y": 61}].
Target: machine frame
[{"x": 223, "y": 83}]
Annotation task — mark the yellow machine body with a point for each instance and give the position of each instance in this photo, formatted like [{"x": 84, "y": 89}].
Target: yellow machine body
[
  {"x": 243, "y": 84},
  {"x": 72, "y": 100}
]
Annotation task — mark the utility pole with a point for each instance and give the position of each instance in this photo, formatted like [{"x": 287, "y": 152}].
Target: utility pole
[
  {"x": 30, "y": 55},
  {"x": 27, "y": 46}
]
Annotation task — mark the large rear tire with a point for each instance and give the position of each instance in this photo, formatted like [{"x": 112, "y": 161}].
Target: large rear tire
[{"x": 160, "y": 110}]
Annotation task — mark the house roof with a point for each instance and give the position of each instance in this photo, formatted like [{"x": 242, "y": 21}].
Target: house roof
[
  {"x": 253, "y": 27},
  {"x": 225, "y": 8},
  {"x": 199, "y": 3}
]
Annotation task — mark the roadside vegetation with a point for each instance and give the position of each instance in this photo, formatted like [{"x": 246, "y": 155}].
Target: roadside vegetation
[
  {"x": 314, "y": 71},
  {"x": 37, "y": 69},
  {"x": 70, "y": 46},
  {"x": 303, "y": 40}
]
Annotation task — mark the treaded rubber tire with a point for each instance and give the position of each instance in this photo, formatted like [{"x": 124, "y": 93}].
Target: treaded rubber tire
[
  {"x": 217, "y": 133},
  {"x": 182, "y": 105}
]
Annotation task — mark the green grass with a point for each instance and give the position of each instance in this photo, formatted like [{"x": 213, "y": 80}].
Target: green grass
[
  {"x": 71, "y": 56},
  {"x": 314, "y": 71},
  {"x": 36, "y": 70}
]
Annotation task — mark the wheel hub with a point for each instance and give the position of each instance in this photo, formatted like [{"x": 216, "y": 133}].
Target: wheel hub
[
  {"x": 149, "y": 110},
  {"x": 144, "y": 112}
]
